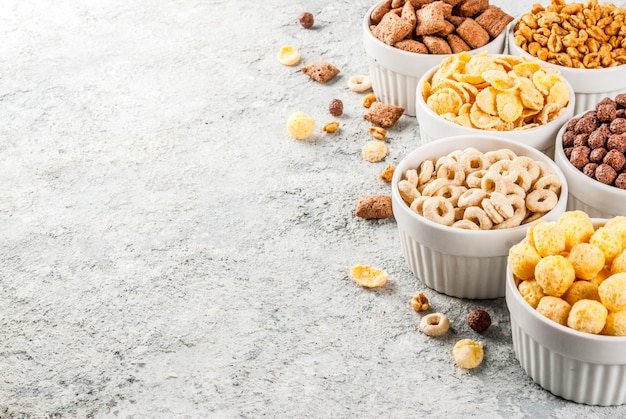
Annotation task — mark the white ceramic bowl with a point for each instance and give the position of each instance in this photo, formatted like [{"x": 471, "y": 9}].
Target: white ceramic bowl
[
  {"x": 577, "y": 366},
  {"x": 433, "y": 126},
  {"x": 587, "y": 194},
  {"x": 395, "y": 72},
  {"x": 457, "y": 262},
  {"x": 590, "y": 85}
]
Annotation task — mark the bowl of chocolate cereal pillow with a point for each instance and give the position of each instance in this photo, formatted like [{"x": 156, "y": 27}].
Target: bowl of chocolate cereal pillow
[
  {"x": 583, "y": 40},
  {"x": 590, "y": 149},
  {"x": 462, "y": 201},
  {"x": 565, "y": 287},
  {"x": 494, "y": 93},
  {"x": 403, "y": 39}
]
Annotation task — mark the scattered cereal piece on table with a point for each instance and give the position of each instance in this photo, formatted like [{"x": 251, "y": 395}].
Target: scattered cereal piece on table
[
  {"x": 306, "y": 20},
  {"x": 377, "y": 132},
  {"x": 374, "y": 207},
  {"x": 288, "y": 56},
  {"x": 374, "y": 151},
  {"x": 300, "y": 125},
  {"x": 479, "y": 320},
  {"x": 468, "y": 353},
  {"x": 330, "y": 127},
  {"x": 387, "y": 174},
  {"x": 335, "y": 107},
  {"x": 434, "y": 324},
  {"x": 320, "y": 71},
  {"x": 368, "y": 100},
  {"x": 419, "y": 302},
  {"x": 368, "y": 277},
  {"x": 359, "y": 83},
  {"x": 383, "y": 114}
]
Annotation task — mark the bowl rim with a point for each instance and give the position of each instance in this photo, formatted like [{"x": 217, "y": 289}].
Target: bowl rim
[
  {"x": 460, "y": 139},
  {"x": 569, "y": 167},
  {"x": 422, "y": 106},
  {"x": 574, "y": 70},
  {"x": 409, "y": 54},
  {"x": 513, "y": 292}
]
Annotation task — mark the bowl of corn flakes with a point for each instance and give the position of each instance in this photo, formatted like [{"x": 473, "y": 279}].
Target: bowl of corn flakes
[
  {"x": 590, "y": 149},
  {"x": 478, "y": 189},
  {"x": 565, "y": 291},
  {"x": 503, "y": 94},
  {"x": 584, "y": 41},
  {"x": 402, "y": 41}
]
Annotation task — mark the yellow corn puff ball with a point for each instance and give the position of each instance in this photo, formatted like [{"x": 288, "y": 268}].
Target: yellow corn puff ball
[
  {"x": 549, "y": 238},
  {"x": 531, "y": 291},
  {"x": 619, "y": 263},
  {"x": 587, "y": 316},
  {"x": 587, "y": 259},
  {"x": 581, "y": 290},
  {"x": 554, "y": 308},
  {"x": 616, "y": 324},
  {"x": 468, "y": 353},
  {"x": 618, "y": 224},
  {"x": 577, "y": 227},
  {"x": 602, "y": 275},
  {"x": 555, "y": 274},
  {"x": 609, "y": 241},
  {"x": 522, "y": 260},
  {"x": 613, "y": 292},
  {"x": 300, "y": 125}
]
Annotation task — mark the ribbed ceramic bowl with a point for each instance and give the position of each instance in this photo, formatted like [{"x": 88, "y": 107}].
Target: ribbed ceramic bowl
[
  {"x": 453, "y": 261},
  {"x": 587, "y": 194},
  {"x": 577, "y": 366},
  {"x": 433, "y": 126},
  {"x": 395, "y": 72},
  {"x": 590, "y": 85}
]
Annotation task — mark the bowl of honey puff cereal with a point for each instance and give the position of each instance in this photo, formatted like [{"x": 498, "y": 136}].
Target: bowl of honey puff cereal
[
  {"x": 586, "y": 41},
  {"x": 403, "y": 39},
  {"x": 461, "y": 202},
  {"x": 566, "y": 294},
  {"x": 500, "y": 94},
  {"x": 591, "y": 151}
]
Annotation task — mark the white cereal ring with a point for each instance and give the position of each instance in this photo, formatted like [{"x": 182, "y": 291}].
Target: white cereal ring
[
  {"x": 530, "y": 165},
  {"x": 418, "y": 204},
  {"x": 471, "y": 198},
  {"x": 502, "y": 154},
  {"x": 359, "y": 83},
  {"x": 549, "y": 181},
  {"x": 532, "y": 216},
  {"x": 451, "y": 193},
  {"x": 491, "y": 211},
  {"x": 514, "y": 188},
  {"x": 426, "y": 171},
  {"x": 502, "y": 204},
  {"x": 493, "y": 182},
  {"x": 444, "y": 160},
  {"x": 472, "y": 160},
  {"x": 408, "y": 192},
  {"x": 478, "y": 216},
  {"x": 541, "y": 200},
  {"x": 430, "y": 188},
  {"x": 474, "y": 179},
  {"x": 412, "y": 177},
  {"x": 521, "y": 177},
  {"x": 519, "y": 213},
  {"x": 439, "y": 210},
  {"x": 434, "y": 324},
  {"x": 453, "y": 172},
  {"x": 465, "y": 225}
]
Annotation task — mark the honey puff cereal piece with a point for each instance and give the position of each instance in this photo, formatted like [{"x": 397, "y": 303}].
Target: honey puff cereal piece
[
  {"x": 577, "y": 227},
  {"x": 619, "y": 263},
  {"x": 300, "y": 125},
  {"x": 613, "y": 292},
  {"x": 522, "y": 260},
  {"x": 616, "y": 323},
  {"x": 320, "y": 71},
  {"x": 468, "y": 353},
  {"x": 368, "y": 276},
  {"x": 374, "y": 207},
  {"x": 555, "y": 274},
  {"x": 587, "y": 260},
  {"x": 554, "y": 308},
  {"x": 374, "y": 151},
  {"x": 383, "y": 114},
  {"x": 531, "y": 291},
  {"x": 581, "y": 290},
  {"x": 548, "y": 238},
  {"x": 609, "y": 241},
  {"x": 587, "y": 316}
]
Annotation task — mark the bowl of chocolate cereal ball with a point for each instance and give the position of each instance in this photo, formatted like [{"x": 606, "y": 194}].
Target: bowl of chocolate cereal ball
[
  {"x": 566, "y": 294},
  {"x": 492, "y": 93},
  {"x": 591, "y": 151},
  {"x": 585, "y": 41},
  {"x": 462, "y": 201},
  {"x": 403, "y": 39}
]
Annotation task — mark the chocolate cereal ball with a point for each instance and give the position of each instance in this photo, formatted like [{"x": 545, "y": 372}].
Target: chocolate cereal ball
[
  {"x": 580, "y": 156},
  {"x": 605, "y": 174},
  {"x": 615, "y": 159}
]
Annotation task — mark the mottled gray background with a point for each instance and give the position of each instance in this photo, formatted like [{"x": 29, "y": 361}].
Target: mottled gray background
[{"x": 167, "y": 250}]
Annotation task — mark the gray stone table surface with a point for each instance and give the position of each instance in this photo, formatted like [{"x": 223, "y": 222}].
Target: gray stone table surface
[{"x": 167, "y": 250}]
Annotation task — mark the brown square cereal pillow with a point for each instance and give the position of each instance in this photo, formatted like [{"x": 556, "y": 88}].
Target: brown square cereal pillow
[
  {"x": 411, "y": 45},
  {"x": 380, "y": 11},
  {"x": 493, "y": 20},
  {"x": 457, "y": 44},
  {"x": 383, "y": 114},
  {"x": 320, "y": 71},
  {"x": 432, "y": 18},
  {"x": 392, "y": 28},
  {"x": 436, "y": 45},
  {"x": 472, "y": 7},
  {"x": 472, "y": 33}
]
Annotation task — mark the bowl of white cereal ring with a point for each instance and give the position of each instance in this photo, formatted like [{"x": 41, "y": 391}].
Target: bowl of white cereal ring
[
  {"x": 582, "y": 40},
  {"x": 404, "y": 39},
  {"x": 565, "y": 285},
  {"x": 460, "y": 202},
  {"x": 498, "y": 94}
]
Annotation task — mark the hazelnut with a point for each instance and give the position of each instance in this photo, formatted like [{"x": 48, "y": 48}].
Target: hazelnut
[
  {"x": 479, "y": 320},
  {"x": 335, "y": 107},
  {"x": 306, "y": 20}
]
